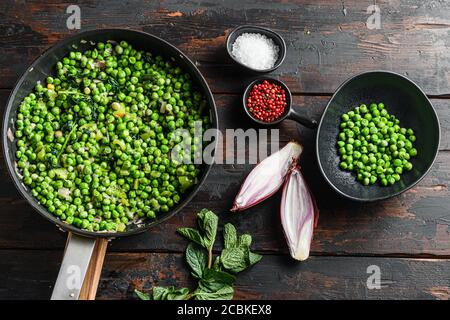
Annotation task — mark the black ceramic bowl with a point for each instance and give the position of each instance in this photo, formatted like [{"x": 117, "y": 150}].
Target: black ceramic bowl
[
  {"x": 277, "y": 39},
  {"x": 402, "y": 98}
]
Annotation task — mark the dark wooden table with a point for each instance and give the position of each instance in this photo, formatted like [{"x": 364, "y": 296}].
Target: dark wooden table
[{"x": 407, "y": 237}]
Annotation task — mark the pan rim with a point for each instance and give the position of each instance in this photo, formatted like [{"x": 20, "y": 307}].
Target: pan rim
[
  {"x": 33, "y": 201},
  {"x": 436, "y": 151}
]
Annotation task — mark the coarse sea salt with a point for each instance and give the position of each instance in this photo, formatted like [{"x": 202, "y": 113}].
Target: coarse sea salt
[{"x": 255, "y": 50}]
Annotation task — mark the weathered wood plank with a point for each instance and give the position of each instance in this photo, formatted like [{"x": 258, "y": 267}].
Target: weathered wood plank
[
  {"x": 280, "y": 277},
  {"x": 416, "y": 222},
  {"x": 31, "y": 275},
  {"x": 325, "y": 43}
]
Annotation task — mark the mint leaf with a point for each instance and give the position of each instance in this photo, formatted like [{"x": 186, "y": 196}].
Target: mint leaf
[
  {"x": 229, "y": 236},
  {"x": 224, "y": 293},
  {"x": 236, "y": 256},
  {"x": 142, "y": 295},
  {"x": 253, "y": 257},
  {"x": 170, "y": 293},
  {"x": 207, "y": 222},
  {"x": 245, "y": 241},
  {"x": 217, "y": 265},
  {"x": 191, "y": 234},
  {"x": 214, "y": 280},
  {"x": 197, "y": 258},
  {"x": 180, "y": 294},
  {"x": 234, "y": 259}
]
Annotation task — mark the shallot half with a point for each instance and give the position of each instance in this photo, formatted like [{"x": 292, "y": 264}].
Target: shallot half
[
  {"x": 267, "y": 177},
  {"x": 299, "y": 214}
]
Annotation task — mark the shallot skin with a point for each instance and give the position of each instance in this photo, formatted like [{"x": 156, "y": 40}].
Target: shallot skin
[
  {"x": 267, "y": 177},
  {"x": 299, "y": 214}
]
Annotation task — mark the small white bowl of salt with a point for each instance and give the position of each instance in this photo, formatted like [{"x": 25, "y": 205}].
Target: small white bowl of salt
[{"x": 257, "y": 49}]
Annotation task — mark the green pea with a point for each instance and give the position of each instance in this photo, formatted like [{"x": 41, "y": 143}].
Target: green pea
[{"x": 408, "y": 166}]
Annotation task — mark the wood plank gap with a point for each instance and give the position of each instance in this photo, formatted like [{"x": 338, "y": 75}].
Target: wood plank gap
[
  {"x": 424, "y": 256},
  {"x": 297, "y": 94}
]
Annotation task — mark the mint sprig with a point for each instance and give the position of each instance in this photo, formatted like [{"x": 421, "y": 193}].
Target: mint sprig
[{"x": 215, "y": 279}]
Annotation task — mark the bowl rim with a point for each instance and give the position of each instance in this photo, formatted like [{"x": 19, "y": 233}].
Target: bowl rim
[
  {"x": 436, "y": 151},
  {"x": 274, "y": 34}
]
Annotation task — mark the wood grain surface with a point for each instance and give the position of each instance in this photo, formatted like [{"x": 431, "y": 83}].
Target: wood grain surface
[
  {"x": 408, "y": 236},
  {"x": 275, "y": 277},
  {"x": 91, "y": 280},
  {"x": 326, "y": 44}
]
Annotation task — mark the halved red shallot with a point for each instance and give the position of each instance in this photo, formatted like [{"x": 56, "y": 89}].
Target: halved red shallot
[
  {"x": 299, "y": 214},
  {"x": 267, "y": 177}
]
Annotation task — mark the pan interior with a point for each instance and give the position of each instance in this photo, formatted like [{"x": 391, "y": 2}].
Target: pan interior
[
  {"x": 403, "y": 99},
  {"x": 45, "y": 66}
]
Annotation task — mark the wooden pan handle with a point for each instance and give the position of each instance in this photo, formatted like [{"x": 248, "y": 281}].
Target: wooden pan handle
[{"x": 92, "y": 278}]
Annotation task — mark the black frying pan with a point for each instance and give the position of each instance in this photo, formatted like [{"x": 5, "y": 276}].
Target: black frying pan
[
  {"x": 402, "y": 98},
  {"x": 81, "y": 243}
]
